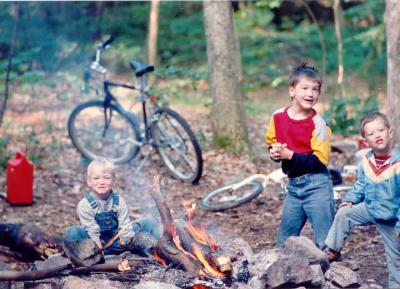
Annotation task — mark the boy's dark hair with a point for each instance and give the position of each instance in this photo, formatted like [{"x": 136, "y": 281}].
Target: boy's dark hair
[
  {"x": 304, "y": 70},
  {"x": 371, "y": 116}
]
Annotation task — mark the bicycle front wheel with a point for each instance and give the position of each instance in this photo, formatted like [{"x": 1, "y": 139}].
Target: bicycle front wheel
[
  {"x": 227, "y": 198},
  {"x": 96, "y": 136},
  {"x": 177, "y": 145}
]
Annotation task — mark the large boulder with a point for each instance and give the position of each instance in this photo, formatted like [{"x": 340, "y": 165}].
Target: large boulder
[{"x": 305, "y": 248}]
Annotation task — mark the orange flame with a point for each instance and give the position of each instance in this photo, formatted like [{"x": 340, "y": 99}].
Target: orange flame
[
  {"x": 159, "y": 259},
  {"x": 207, "y": 266},
  {"x": 199, "y": 234}
]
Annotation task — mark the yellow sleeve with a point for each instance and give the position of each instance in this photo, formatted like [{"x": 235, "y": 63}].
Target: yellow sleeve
[
  {"x": 321, "y": 143},
  {"x": 270, "y": 135}
]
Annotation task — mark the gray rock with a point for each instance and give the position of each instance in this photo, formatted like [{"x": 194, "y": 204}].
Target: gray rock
[
  {"x": 256, "y": 283},
  {"x": 329, "y": 285},
  {"x": 52, "y": 262},
  {"x": 5, "y": 284},
  {"x": 305, "y": 248},
  {"x": 342, "y": 276},
  {"x": 288, "y": 269},
  {"x": 72, "y": 282},
  {"x": 239, "y": 285},
  {"x": 259, "y": 263},
  {"x": 154, "y": 285},
  {"x": 318, "y": 277}
]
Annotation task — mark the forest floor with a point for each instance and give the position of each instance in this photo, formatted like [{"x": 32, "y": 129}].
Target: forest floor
[{"x": 37, "y": 125}]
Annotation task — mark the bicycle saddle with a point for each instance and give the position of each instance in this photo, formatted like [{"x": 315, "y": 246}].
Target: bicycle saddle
[{"x": 140, "y": 69}]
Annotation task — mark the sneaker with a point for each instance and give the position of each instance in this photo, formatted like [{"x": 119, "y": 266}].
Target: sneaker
[{"x": 332, "y": 255}]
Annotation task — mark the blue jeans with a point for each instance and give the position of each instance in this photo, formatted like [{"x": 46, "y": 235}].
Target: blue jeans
[
  {"x": 309, "y": 197},
  {"x": 147, "y": 225},
  {"x": 358, "y": 215}
]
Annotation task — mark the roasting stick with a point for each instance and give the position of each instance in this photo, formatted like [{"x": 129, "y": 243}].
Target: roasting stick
[{"x": 109, "y": 243}]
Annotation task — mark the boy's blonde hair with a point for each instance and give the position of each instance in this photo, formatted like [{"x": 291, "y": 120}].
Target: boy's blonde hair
[
  {"x": 103, "y": 164},
  {"x": 371, "y": 116}
]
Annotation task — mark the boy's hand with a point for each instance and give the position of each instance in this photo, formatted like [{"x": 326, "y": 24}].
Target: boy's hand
[
  {"x": 98, "y": 243},
  {"x": 275, "y": 151},
  {"x": 398, "y": 234},
  {"x": 344, "y": 204}
]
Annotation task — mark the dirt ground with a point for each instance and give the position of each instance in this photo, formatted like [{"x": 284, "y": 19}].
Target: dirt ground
[{"x": 60, "y": 183}]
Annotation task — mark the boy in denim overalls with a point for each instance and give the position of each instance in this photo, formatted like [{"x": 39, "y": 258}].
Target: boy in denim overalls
[
  {"x": 299, "y": 137},
  {"x": 375, "y": 197},
  {"x": 103, "y": 212}
]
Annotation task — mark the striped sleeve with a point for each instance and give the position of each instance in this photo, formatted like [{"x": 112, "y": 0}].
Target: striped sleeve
[{"x": 320, "y": 140}]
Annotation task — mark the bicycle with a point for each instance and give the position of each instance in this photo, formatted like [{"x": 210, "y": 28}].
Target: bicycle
[
  {"x": 103, "y": 128},
  {"x": 237, "y": 194}
]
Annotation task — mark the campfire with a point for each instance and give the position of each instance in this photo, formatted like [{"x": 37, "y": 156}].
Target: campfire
[{"x": 185, "y": 245}]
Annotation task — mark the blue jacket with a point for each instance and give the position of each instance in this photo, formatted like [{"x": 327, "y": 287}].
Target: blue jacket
[{"x": 379, "y": 190}]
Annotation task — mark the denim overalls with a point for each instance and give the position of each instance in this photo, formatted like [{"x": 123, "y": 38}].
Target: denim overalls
[{"x": 108, "y": 223}]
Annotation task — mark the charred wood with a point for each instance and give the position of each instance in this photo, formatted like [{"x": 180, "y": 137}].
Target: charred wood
[
  {"x": 166, "y": 246},
  {"x": 29, "y": 240}
]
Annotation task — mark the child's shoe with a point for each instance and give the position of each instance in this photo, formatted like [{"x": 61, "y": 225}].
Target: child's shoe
[{"x": 332, "y": 255}]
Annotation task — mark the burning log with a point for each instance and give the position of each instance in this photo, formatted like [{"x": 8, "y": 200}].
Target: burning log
[
  {"x": 183, "y": 245},
  {"x": 190, "y": 244},
  {"x": 165, "y": 246},
  {"x": 29, "y": 240}
]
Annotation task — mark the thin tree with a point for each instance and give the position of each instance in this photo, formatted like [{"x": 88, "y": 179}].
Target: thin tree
[
  {"x": 224, "y": 65},
  {"x": 393, "y": 64},
  {"x": 3, "y": 105},
  {"x": 320, "y": 35},
  {"x": 337, "y": 18},
  {"x": 153, "y": 32}
]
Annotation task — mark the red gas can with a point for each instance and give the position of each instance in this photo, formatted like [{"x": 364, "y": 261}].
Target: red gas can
[{"x": 19, "y": 180}]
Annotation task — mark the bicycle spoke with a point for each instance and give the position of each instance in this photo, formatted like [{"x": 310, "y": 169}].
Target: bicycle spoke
[{"x": 177, "y": 145}]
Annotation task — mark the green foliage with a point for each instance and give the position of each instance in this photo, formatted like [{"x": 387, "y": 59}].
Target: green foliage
[
  {"x": 40, "y": 144},
  {"x": 344, "y": 113},
  {"x": 5, "y": 154}
]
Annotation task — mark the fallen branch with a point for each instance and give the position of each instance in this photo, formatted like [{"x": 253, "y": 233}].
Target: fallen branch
[{"x": 119, "y": 266}]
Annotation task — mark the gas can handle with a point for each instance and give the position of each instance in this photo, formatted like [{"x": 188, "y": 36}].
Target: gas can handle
[{"x": 19, "y": 155}]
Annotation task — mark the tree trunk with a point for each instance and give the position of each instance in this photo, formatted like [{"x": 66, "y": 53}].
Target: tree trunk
[
  {"x": 393, "y": 65},
  {"x": 153, "y": 32},
  {"x": 224, "y": 65},
  {"x": 337, "y": 15},
  {"x": 3, "y": 105}
]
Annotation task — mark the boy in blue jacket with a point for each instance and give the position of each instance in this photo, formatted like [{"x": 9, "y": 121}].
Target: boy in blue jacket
[{"x": 375, "y": 197}]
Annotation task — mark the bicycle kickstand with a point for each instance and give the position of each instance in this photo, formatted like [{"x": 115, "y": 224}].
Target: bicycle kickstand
[{"x": 142, "y": 161}]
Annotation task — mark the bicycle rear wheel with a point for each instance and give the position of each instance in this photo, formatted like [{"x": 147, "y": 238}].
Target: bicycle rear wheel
[
  {"x": 227, "y": 198},
  {"x": 177, "y": 145},
  {"x": 96, "y": 136}
]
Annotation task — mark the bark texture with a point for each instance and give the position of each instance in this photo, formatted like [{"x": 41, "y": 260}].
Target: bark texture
[
  {"x": 224, "y": 65},
  {"x": 393, "y": 65},
  {"x": 153, "y": 32}
]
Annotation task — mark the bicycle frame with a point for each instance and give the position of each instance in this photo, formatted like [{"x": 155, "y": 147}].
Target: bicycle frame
[{"x": 110, "y": 98}]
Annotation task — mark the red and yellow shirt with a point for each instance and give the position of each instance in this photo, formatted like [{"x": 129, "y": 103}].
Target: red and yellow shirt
[{"x": 308, "y": 138}]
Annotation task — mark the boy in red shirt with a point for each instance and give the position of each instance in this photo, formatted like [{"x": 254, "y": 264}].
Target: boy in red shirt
[{"x": 299, "y": 137}]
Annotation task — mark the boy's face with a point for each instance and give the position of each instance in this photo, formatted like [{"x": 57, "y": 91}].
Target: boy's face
[
  {"x": 378, "y": 136},
  {"x": 101, "y": 182},
  {"x": 305, "y": 93}
]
